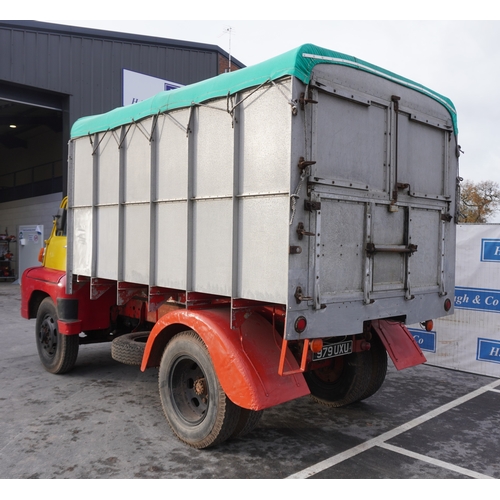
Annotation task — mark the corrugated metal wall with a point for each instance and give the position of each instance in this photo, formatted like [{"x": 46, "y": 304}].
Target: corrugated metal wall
[
  {"x": 87, "y": 64},
  {"x": 79, "y": 71}
]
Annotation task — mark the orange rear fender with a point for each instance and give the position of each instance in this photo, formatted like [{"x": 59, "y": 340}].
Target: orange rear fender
[{"x": 246, "y": 360}]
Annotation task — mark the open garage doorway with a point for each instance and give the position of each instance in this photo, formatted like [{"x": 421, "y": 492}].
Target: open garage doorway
[
  {"x": 31, "y": 149},
  {"x": 33, "y": 154}
]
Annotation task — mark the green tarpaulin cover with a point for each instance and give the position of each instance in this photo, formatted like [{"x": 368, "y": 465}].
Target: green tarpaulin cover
[{"x": 298, "y": 62}]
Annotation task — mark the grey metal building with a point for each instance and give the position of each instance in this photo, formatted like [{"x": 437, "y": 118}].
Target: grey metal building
[{"x": 51, "y": 75}]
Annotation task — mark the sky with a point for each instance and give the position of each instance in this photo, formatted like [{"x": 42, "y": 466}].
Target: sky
[{"x": 454, "y": 51}]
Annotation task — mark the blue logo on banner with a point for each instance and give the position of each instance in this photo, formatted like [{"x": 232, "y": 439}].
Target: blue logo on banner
[
  {"x": 490, "y": 250},
  {"x": 479, "y": 299},
  {"x": 488, "y": 350},
  {"x": 425, "y": 340},
  {"x": 171, "y": 86}
]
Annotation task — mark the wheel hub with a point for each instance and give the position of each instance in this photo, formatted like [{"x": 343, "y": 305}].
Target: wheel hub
[
  {"x": 48, "y": 336},
  {"x": 200, "y": 387},
  {"x": 330, "y": 374},
  {"x": 189, "y": 391}
]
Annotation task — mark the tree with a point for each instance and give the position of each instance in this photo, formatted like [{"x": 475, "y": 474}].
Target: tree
[{"x": 478, "y": 201}]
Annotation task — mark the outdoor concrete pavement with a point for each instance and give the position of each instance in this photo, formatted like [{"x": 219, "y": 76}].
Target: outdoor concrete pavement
[{"x": 104, "y": 420}]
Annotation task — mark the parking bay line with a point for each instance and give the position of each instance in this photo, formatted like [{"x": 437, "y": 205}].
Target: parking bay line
[
  {"x": 434, "y": 461},
  {"x": 379, "y": 440}
]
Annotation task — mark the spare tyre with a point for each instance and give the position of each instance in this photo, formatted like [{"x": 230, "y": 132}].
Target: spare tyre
[{"x": 129, "y": 348}]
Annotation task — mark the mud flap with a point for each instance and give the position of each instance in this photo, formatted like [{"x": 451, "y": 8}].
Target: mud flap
[{"x": 399, "y": 343}]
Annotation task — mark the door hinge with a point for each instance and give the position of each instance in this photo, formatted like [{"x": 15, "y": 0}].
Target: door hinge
[
  {"x": 303, "y": 100},
  {"x": 303, "y": 163}
]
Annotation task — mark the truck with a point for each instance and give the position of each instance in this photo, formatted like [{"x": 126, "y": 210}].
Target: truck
[{"x": 257, "y": 237}]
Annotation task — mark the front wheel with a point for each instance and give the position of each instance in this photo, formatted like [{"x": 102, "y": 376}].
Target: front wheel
[
  {"x": 57, "y": 352},
  {"x": 195, "y": 405}
]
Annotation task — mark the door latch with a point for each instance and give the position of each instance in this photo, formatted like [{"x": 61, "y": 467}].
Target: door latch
[
  {"x": 299, "y": 296},
  {"x": 302, "y": 232}
]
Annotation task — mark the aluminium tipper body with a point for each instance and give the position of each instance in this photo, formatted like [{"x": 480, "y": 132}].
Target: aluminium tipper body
[{"x": 316, "y": 181}]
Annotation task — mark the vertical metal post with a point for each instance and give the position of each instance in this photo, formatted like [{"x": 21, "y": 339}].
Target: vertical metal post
[
  {"x": 70, "y": 217},
  {"x": 153, "y": 205},
  {"x": 447, "y": 193},
  {"x": 441, "y": 277},
  {"x": 368, "y": 271},
  {"x": 93, "y": 204},
  {"x": 235, "y": 253},
  {"x": 121, "y": 200},
  {"x": 446, "y": 170},
  {"x": 315, "y": 198},
  {"x": 394, "y": 133},
  {"x": 407, "y": 257},
  {"x": 189, "y": 201}
]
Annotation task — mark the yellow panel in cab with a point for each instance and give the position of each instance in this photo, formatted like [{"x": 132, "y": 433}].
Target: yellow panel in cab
[{"x": 55, "y": 247}]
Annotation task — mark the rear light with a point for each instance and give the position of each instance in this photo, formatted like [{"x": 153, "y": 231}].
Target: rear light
[
  {"x": 447, "y": 305},
  {"x": 429, "y": 325},
  {"x": 316, "y": 345},
  {"x": 300, "y": 324},
  {"x": 365, "y": 346}
]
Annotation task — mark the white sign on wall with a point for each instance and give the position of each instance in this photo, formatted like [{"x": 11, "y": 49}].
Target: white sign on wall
[{"x": 138, "y": 87}]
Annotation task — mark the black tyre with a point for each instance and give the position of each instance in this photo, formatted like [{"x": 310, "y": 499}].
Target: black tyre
[
  {"x": 197, "y": 409},
  {"x": 129, "y": 348},
  {"x": 247, "y": 422},
  {"x": 378, "y": 356},
  {"x": 342, "y": 383},
  {"x": 57, "y": 352}
]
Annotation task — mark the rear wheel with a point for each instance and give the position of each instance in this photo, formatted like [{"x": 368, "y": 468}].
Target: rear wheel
[
  {"x": 247, "y": 422},
  {"x": 57, "y": 352},
  {"x": 343, "y": 382},
  {"x": 378, "y": 356},
  {"x": 195, "y": 405}
]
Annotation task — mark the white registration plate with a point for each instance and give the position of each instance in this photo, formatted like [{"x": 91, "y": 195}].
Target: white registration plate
[{"x": 333, "y": 350}]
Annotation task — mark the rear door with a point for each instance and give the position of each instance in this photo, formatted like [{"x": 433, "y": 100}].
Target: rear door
[{"x": 378, "y": 194}]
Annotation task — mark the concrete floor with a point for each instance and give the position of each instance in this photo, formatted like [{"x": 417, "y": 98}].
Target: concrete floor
[{"x": 104, "y": 420}]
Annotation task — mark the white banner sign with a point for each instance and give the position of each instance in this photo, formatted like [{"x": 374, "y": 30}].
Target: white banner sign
[
  {"x": 469, "y": 340},
  {"x": 138, "y": 87}
]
